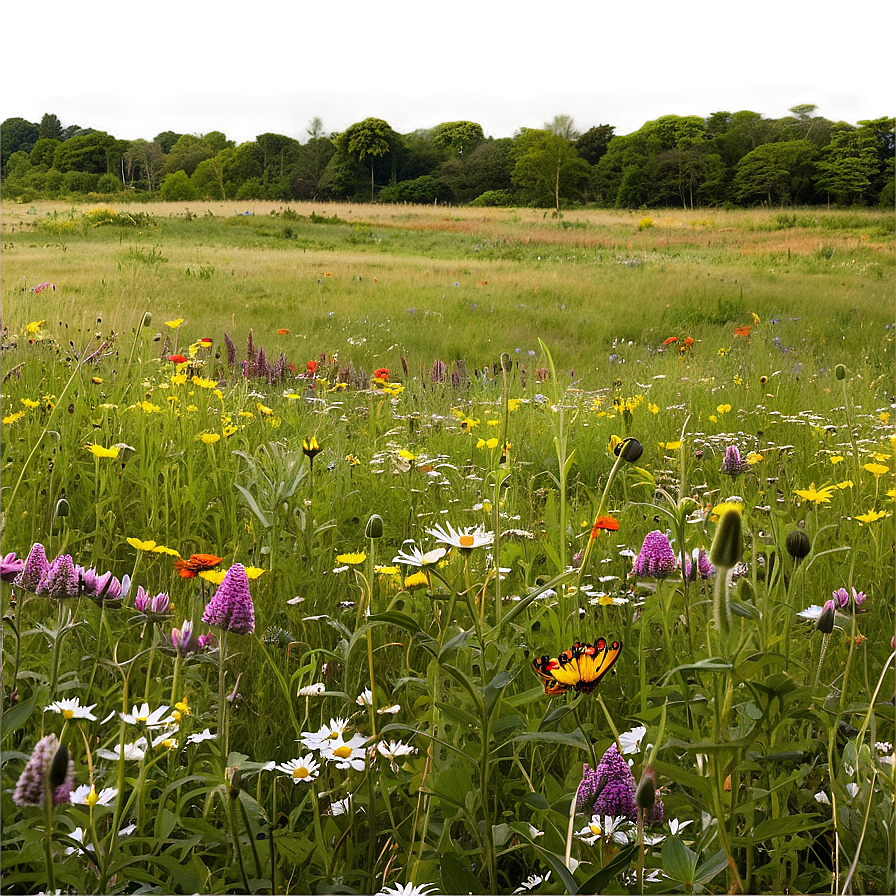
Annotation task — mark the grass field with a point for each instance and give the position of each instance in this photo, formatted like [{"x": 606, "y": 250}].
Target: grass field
[{"x": 440, "y": 454}]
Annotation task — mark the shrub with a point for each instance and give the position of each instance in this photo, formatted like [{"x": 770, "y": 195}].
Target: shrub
[
  {"x": 493, "y": 199},
  {"x": 176, "y": 187},
  {"x": 108, "y": 183}
]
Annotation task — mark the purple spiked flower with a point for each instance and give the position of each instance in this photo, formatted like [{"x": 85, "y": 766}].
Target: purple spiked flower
[
  {"x": 698, "y": 566},
  {"x": 732, "y": 464},
  {"x": 29, "y": 790},
  {"x": 614, "y": 786},
  {"x": 61, "y": 580},
  {"x": 656, "y": 559},
  {"x": 151, "y": 606},
  {"x": 10, "y": 567},
  {"x": 35, "y": 568},
  {"x": 231, "y": 606}
]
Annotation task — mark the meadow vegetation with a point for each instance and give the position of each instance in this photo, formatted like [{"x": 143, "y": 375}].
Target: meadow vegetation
[{"x": 378, "y": 490}]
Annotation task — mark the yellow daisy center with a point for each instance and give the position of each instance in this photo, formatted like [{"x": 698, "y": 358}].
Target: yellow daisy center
[
  {"x": 68, "y": 713},
  {"x": 466, "y": 541},
  {"x": 595, "y": 828},
  {"x": 343, "y": 752},
  {"x": 300, "y": 772}
]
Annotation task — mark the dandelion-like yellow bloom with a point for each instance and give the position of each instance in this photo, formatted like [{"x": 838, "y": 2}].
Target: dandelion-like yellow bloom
[
  {"x": 209, "y": 438},
  {"x": 30, "y": 402},
  {"x": 264, "y": 409},
  {"x": 876, "y": 469},
  {"x": 253, "y": 572},
  {"x": 215, "y": 576},
  {"x": 142, "y": 545},
  {"x": 816, "y": 496},
  {"x": 174, "y": 324},
  {"x": 204, "y": 383},
  {"x": 487, "y": 443},
  {"x": 723, "y": 408},
  {"x": 669, "y": 446},
  {"x": 99, "y": 451},
  {"x": 352, "y": 559},
  {"x": 12, "y": 418},
  {"x": 513, "y": 403},
  {"x": 872, "y": 516},
  {"x": 416, "y": 580}
]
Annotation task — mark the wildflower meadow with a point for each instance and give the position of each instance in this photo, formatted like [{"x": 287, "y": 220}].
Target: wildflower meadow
[{"x": 423, "y": 550}]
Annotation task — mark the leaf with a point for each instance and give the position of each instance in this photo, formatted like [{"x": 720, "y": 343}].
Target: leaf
[
  {"x": 455, "y": 643},
  {"x": 18, "y": 715},
  {"x": 456, "y": 878},
  {"x": 679, "y": 862},
  {"x": 535, "y": 800},
  {"x": 253, "y": 506},
  {"x": 556, "y": 862},
  {"x": 777, "y": 827},
  {"x": 711, "y": 867},
  {"x": 599, "y": 882},
  {"x": 573, "y": 739},
  {"x": 710, "y": 664}
]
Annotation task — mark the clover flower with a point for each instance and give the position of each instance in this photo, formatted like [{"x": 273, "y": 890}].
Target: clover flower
[
  {"x": 61, "y": 581},
  {"x": 29, "y": 790},
  {"x": 656, "y": 559},
  {"x": 231, "y": 606},
  {"x": 35, "y": 569}
]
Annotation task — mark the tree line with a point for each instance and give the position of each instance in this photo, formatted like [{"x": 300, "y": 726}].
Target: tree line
[{"x": 725, "y": 159}]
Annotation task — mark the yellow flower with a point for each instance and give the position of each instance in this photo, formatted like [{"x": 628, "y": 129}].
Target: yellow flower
[
  {"x": 720, "y": 509},
  {"x": 753, "y": 458},
  {"x": 178, "y": 378},
  {"x": 880, "y": 456},
  {"x": 404, "y": 453},
  {"x": 30, "y": 402},
  {"x": 141, "y": 545},
  {"x": 209, "y": 438},
  {"x": 215, "y": 576},
  {"x": 386, "y": 570},
  {"x": 872, "y": 516},
  {"x": 847, "y": 483},
  {"x": 492, "y": 422},
  {"x": 253, "y": 572},
  {"x": 884, "y": 416},
  {"x": 416, "y": 580},
  {"x": 264, "y": 409},
  {"x": 877, "y": 469},
  {"x": 723, "y": 408},
  {"x": 204, "y": 383},
  {"x": 174, "y": 324},
  {"x": 755, "y": 317},
  {"x": 816, "y": 496},
  {"x": 669, "y": 446},
  {"x": 513, "y": 403},
  {"x": 148, "y": 407},
  {"x": 351, "y": 460},
  {"x": 351, "y": 559},
  {"x": 161, "y": 549},
  {"x": 723, "y": 351},
  {"x": 836, "y": 459},
  {"x": 12, "y": 418},
  {"x": 653, "y": 408},
  {"x": 490, "y": 443},
  {"x": 713, "y": 418},
  {"x": 35, "y": 326},
  {"x": 99, "y": 451},
  {"x": 229, "y": 431}
]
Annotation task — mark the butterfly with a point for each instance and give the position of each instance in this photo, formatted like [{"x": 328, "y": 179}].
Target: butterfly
[{"x": 578, "y": 669}]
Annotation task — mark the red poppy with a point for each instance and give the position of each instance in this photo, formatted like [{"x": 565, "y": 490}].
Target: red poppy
[
  {"x": 283, "y": 331},
  {"x": 311, "y": 366},
  {"x": 607, "y": 523},
  {"x": 743, "y": 332},
  {"x": 206, "y": 340},
  {"x": 670, "y": 340},
  {"x": 177, "y": 359},
  {"x": 189, "y": 569},
  {"x": 381, "y": 373}
]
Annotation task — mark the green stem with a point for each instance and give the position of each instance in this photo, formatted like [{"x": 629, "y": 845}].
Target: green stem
[
  {"x": 222, "y": 700},
  {"x": 48, "y": 834},
  {"x": 234, "y": 833},
  {"x": 319, "y": 833}
]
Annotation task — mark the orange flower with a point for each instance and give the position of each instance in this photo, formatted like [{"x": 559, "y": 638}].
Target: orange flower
[
  {"x": 670, "y": 340},
  {"x": 743, "y": 332},
  {"x": 688, "y": 342},
  {"x": 189, "y": 569},
  {"x": 311, "y": 366},
  {"x": 381, "y": 373},
  {"x": 283, "y": 331},
  {"x": 607, "y": 523},
  {"x": 177, "y": 359}
]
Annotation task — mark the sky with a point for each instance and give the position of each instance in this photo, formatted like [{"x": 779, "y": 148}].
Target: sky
[{"x": 135, "y": 70}]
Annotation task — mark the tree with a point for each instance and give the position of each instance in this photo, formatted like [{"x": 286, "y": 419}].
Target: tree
[
  {"x": 87, "y": 153},
  {"x": 547, "y": 164},
  {"x": 848, "y": 164},
  {"x": 217, "y": 141},
  {"x": 176, "y": 187},
  {"x": 776, "y": 173},
  {"x": 43, "y": 151},
  {"x": 592, "y": 145},
  {"x": 368, "y": 139},
  {"x": 166, "y": 140},
  {"x": 16, "y": 134},
  {"x": 186, "y": 154},
  {"x": 50, "y": 127},
  {"x": 144, "y": 161},
  {"x": 457, "y": 137},
  {"x": 487, "y": 168}
]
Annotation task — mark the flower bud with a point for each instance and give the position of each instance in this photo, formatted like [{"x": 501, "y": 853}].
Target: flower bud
[
  {"x": 825, "y": 622},
  {"x": 798, "y": 544},
  {"x": 147, "y": 319},
  {"x": 630, "y": 449},
  {"x": 59, "y": 767},
  {"x": 645, "y": 794},
  {"x": 728, "y": 546},
  {"x": 840, "y": 372},
  {"x": 374, "y": 527},
  {"x": 506, "y": 363},
  {"x": 62, "y": 508}
]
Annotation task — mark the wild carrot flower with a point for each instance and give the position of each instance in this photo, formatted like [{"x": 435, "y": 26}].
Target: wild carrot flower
[
  {"x": 34, "y": 570},
  {"x": 231, "y": 606},
  {"x": 656, "y": 559},
  {"x": 29, "y": 790}
]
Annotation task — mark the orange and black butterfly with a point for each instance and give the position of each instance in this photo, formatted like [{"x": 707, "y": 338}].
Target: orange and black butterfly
[{"x": 578, "y": 669}]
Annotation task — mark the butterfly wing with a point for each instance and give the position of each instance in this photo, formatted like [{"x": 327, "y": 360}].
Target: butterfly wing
[
  {"x": 593, "y": 666},
  {"x": 543, "y": 667}
]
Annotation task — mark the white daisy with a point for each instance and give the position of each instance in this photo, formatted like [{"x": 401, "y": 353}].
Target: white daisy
[
  {"x": 86, "y": 795},
  {"x": 132, "y": 751},
  {"x": 312, "y": 690},
  {"x": 304, "y": 769},
  {"x": 408, "y": 890},
  {"x": 613, "y": 828},
  {"x": 531, "y": 882},
  {"x": 346, "y": 753},
  {"x": 463, "y": 539},
  {"x": 389, "y": 710},
  {"x": 365, "y": 698},
  {"x": 72, "y": 709},
  {"x": 416, "y": 557},
  {"x": 155, "y": 718},
  {"x": 341, "y": 807},
  {"x": 315, "y": 740},
  {"x": 201, "y": 736},
  {"x": 394, "y": 750}
]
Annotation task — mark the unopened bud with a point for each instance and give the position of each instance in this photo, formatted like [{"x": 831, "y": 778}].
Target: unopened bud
[
  {"x": 505, "y": 361},
  {"x": 630, "y": 449},
  {"x": 728, "y": 546},
  {"x": 147, "y": 319},
  {"x": 798, "y": 544},
  {"x": 59, "y": 767},
  {"x": 645, "y": 795},
  {"x": 235, "y": 781},
  {"x": 62, "y": 508},
  {"x": 825, "y": 622},
  {"x": 840, "y": 372},
  {"x": 374, "y": 527}
]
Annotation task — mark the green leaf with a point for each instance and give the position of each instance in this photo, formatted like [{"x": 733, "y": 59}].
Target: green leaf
[
  {"x": 535, "y": 800},
  {"x": 573, "y": 739},
  {"x": 778, "y": 827},
  {"x": 711, "y": 867},
  {"x": 457, "y": 878},
  {"x": 556, "y": 862},
  {"x": 18, "y": 715},
  {"x": 599, "y": 882},
  {"x": 253, "y": 506},
  {"x": 679, "y": 862}
]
